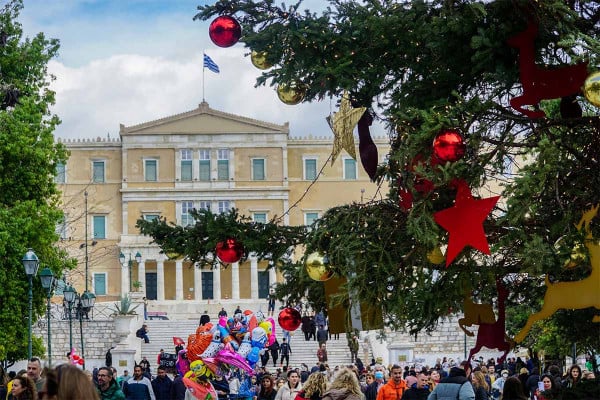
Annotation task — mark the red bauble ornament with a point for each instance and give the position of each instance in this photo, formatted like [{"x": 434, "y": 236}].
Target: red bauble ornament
[
  {"x": 230, "y": 251},
  {"x": 289, "y": 319},
  {"x": 449, "y": 145},
  {"x": 225, "y": 31}
]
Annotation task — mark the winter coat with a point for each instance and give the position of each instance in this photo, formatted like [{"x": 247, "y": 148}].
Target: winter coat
[
  {"x": 340, "y": 394},
  {"x": 138, "y": 389},
  {"x": 113, "y": 392},
  {"x": 391, "y": 390},
  {"x": 162, "y": 388},
  {"x": 414, "y": 393},
  {"x": 453, "y": 388},
  {"x": 287, "y": 393}
]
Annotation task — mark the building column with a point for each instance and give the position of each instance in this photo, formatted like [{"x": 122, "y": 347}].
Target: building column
[
  {"x": 217, "y": 281},
  {"x": 235, "y": 281},
  {"x": 160, "y": 279},
  {"x": 125, "y": 279},
  {"x": 272, "y": 276},
  {"x": 253, "y": 277},
  {"x": 142, "y": 275},
  {"x": 179, "y": 280},
  {"x": 197, "y": 283}
]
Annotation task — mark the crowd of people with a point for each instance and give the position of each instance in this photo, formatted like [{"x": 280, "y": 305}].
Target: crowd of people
[{"x": 474, "y": 380}]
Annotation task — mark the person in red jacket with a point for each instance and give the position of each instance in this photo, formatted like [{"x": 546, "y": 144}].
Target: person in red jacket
[{"x": 394, "y": 388}]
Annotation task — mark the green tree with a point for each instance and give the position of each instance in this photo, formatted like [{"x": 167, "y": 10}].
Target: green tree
[
  {"x": 28, "y": 195},
  {"x": 424, "y": 66}
]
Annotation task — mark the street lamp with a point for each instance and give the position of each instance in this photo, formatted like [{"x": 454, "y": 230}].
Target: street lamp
[
  {"x": 47, "y": 278},
  {"x": 31, "y": 263},
  {"x": 69, "y": 294},
  {"x": 84, "y": 303},
  {"x": 138, "y": 259}
]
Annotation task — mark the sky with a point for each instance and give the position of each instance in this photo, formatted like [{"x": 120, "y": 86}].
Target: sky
[{"x": 133, "y": 61}]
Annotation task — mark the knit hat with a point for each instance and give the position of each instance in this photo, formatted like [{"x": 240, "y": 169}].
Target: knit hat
[
  {"x": 504, "y": 371},
  {"x": 411, "y": 380}
]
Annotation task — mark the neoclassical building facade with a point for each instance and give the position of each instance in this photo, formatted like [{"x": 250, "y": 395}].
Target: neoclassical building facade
[{"x": 203, "y": 158}]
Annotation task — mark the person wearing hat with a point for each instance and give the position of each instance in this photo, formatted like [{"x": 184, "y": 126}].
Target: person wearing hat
[
  {"x": 455, "y": 386},
  {"x": 499, "y": 384}
]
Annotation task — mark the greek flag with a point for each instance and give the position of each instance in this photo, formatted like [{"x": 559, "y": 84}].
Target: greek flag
[{"x": 210, "y": 64}]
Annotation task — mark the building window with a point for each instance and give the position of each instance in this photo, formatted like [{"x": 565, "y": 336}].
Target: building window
[
  {"x": 99, "y": 228},
  {"x": 98, "y": 171},
  {"x": 260, "y": 217},
  {"x": 204, "y": 155},
  {"x": 151, "y": 170},
  {"x": 258, "y": 169},
  {"x": 99, "y": 283},
  {"x": 151, "y": 217},
  {"x": 349, "y": 169},
  {"x": 204, "y": 205},
  {"x": 61, "y": 173},
  {"x": 186, "y": 165},
  {"x": 310, "y": 217},
  {"x": 224, "y": 206},
  {"x": 310, "y": 169},
  {"x": 223, "y": 165},
  {"x": 186, "y": 217}
]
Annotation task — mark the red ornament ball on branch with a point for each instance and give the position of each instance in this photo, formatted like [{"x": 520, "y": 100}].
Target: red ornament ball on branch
[
  {"x": 289, "y": 319},
  {"x": 225, "y": 31},
  {"x": 229, "y": 251},
  {"x": 449, "y": 145}
]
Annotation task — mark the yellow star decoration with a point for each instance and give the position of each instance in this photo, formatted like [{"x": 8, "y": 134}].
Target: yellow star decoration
[{"x": 342, "y": 124}]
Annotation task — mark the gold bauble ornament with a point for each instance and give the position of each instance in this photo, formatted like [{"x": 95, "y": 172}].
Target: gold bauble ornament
[
  {"x": 591, "y": 89},
  {"x": 259, "y": 59},
  {"x": 291, "y": 94},
  {"x": 317, "y": 269},
  {"x": 436, "y": 256}
]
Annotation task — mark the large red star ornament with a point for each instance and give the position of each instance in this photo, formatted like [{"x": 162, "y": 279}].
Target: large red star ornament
[{"x": 464, "y": 222}]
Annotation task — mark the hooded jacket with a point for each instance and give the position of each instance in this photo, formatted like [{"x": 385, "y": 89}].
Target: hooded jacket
[{"x": 455, "y": 387}]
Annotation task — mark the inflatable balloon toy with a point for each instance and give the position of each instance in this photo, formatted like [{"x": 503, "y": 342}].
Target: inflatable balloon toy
[
  {"x": 245, "y": 346},
  {"x": 214, "y": 346},
  {"x": 258, "y": 341},
  {"x": 200, "y": 388},
  {"x": 268, "y": 328},
  {"x": 233, "y": 359},
  {"x": 227, "y": 338},
  {"x": 199, "y": 369},
  {"x": 182, "y": 364},
  {"x": 198, "y": 342}
]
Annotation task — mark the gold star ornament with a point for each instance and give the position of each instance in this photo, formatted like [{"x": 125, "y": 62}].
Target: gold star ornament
[{"x": 342, "y": 124}]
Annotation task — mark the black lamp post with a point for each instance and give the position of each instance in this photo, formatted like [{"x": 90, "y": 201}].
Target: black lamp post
[
  {"x": 138, "y": 259},
  {"x": 85, "y": 304},
  {"x": 69, "y": 294},
  {"x": 31, "y": 263},
  {"x": 47, "y": 278}
]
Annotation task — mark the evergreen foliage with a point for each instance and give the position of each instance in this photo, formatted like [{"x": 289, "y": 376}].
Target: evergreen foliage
[
  {"x": 421, "y": 66},
  {"x": 29, "y": 209}
]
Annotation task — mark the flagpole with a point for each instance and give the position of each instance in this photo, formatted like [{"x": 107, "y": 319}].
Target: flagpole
[{"x": 203, "y": 68}]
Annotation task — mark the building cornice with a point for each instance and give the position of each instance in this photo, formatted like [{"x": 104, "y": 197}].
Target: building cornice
[{"x": 203, "y": 109}]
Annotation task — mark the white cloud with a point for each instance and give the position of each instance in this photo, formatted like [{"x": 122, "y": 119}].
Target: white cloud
[{"x": 125, "y": 66}]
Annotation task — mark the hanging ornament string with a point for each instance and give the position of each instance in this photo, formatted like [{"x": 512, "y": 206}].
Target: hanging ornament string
[{"x": 280, "y": 218}]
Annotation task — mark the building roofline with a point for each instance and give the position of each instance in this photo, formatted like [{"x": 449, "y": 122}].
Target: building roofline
[{"x": 203, "y": 108}]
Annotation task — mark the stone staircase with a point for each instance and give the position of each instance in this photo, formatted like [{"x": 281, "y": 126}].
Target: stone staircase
[{"x": 161, "y": 333}]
